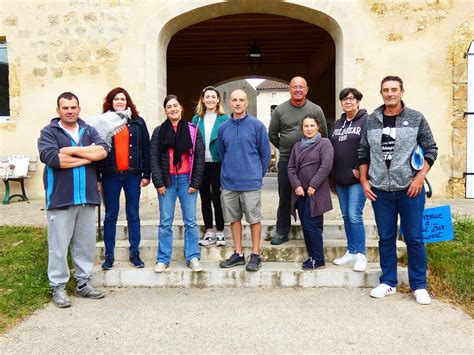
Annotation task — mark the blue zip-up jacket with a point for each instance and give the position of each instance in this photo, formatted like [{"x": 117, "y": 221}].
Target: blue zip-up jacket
[
  {"x": 139, "y": 161},
  {"x": 245, "y": 151},
  {"x": 72, "y": 186}
]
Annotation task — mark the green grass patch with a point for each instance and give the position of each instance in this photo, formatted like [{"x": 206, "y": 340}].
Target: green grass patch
[
  {"x": 451, "y": 265},
  {"x": 23, "y": 280}
]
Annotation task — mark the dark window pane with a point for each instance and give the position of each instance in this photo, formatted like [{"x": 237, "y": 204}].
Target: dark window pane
[{"x": 4, "y": 91}]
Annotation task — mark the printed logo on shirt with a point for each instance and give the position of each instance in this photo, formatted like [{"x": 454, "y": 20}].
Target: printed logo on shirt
[{"x": 343, "y": 132}]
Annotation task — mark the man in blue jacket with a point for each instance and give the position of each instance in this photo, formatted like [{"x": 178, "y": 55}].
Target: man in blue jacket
[
  {"x": 245, "y": 151},
  {"x": 67, "y": 147}
]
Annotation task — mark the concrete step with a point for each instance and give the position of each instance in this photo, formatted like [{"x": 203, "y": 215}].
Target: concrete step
[
  {"x": 333, "y": 229},
  {"x": 293, "y": 250},
  {"x": 272, "y": 274}
]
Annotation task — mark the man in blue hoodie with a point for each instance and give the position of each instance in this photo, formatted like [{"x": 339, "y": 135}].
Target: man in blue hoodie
[
  {"x": 67, "y": 147},
  {"x": 245, "y": 151}
]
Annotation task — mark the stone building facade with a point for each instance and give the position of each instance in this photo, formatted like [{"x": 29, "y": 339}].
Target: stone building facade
[{"x": 91, "y": 46}]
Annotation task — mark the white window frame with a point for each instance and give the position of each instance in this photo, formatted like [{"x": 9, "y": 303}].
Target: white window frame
[{"x": 470, "y": 123}]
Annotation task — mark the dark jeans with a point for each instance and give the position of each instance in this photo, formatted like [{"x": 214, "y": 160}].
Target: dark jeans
[
  {"x": 210, "y": 191},
  {"x": 387, "y": 207},
  {"x": 312, "y": 231},
  {"x": 283, "y": 224},
  {"x": 112, "y": 185}
]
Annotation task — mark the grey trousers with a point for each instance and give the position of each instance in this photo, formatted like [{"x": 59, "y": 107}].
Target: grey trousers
[{"x": 74, "y": 227}]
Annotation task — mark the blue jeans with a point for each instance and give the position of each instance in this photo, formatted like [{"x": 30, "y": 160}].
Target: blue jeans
[
  {"x": 112, "y": 184},
  {"x": 352, "y": 202},
  {"x": 312, "y": 231},
  {"x": 387, "y": 207},
  {"x": 178, "y": 189}
]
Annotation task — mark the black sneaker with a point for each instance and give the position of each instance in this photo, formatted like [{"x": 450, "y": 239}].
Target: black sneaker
[
  {"x": 278, "y": 239},
  {"x": 308, "y": 264},
  {"x": 311, "y": 264},
  {"x": 108, "y": 262},
  {"x": 234, "y": 260},
  {"x": 255, "y": 263},
  {"x": 136, "y": 261}
]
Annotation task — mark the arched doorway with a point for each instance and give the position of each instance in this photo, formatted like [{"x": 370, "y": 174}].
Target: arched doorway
[
  {"x": 217, "y": 49},
  {"x": 164, "y": 24}
]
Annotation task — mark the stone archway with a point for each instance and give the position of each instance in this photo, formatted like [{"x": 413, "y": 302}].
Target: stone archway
[
  {"x": 335, "y": 21},
  {"x": 217, "y": 49}
]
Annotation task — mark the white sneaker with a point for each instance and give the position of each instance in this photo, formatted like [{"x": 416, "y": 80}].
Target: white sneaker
[
  {"x": 422, "y": 296},
  {"x": 160, "y": 267},
  {"x": 348, "y": 258},
  {"x": 220, "y": 239},
  {"x": 361, "y": 262},
  {"x": 195, "y": 265},
  {"x": 208, "y": 238},
  {"x": 383, "y": 290}
]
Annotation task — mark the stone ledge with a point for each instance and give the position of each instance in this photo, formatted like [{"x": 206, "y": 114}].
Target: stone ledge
[
  {"x": 291, "y": 251},
  {"x": 270, "y": 275}
]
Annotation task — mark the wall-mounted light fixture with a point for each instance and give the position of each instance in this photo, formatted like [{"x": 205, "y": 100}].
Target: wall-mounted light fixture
[{"x": 255, "y": 57}]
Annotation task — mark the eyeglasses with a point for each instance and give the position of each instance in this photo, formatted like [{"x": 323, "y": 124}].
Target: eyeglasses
[
  {"x": 297, "y": 87},
  {"x": 349, "y": 99}
]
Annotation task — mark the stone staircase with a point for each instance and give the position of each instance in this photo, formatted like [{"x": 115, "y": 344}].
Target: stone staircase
[{"x": 281, "y": 264}]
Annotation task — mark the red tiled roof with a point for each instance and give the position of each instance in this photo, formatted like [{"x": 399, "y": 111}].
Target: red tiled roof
[{"x": 272, "y": 85}]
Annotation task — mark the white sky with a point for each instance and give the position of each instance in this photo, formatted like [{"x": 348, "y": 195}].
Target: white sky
[{"x": 255, "y": 81}]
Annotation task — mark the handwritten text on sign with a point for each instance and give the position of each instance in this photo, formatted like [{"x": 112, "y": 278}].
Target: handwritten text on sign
[{"x": 437, "y": 224}]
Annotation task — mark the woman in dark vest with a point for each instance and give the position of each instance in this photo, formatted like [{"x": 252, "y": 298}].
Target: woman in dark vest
[{"x": 126, "y": 167}]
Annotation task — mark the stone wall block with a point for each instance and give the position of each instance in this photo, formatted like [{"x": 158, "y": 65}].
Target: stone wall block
[
  {"x": 83, "y": 55},
  {"x": 459, "y": 107},
  {"x": 379, "y": 8},
  {"x": 422, "y": 24},
  {"x": 41, "y": 45},
  {"x": 57, "y": 43},
  {"x": 394, "y": 37},
  {"x": 80, "y": 30},
  {"x": 93, "y": 70},
  {"x": 460, "y": 91},
  {"x": 43, "y": 57},
  {"x": 75, "y": 70},
  {"x": 70, "y": 17},
  {"x": 460, "y": 73},
  {"x": 64, "y": 56},
  {"x": 57, "y": 72},
  {"x": 459, "y": 123},
  {"x": 90, "y": 17},
  {"x": 24, "y": 33},
  {"x": 104, "y": 52},
  {"x": 10, "y": 21},
  {"x": 53, "y": 20},
  {"x": 456, "y": 187},
  {"x": 14, "y": 82},
  {"x": 40, "y": 71}
]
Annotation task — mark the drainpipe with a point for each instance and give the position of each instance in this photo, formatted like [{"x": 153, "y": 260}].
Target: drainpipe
[{"x": 470, "y": 123}]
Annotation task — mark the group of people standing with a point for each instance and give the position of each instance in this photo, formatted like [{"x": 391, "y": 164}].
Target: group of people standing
[{"x": 225, "y": 158}]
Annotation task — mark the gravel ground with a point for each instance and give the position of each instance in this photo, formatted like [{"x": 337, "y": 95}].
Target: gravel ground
[{"x": 323, "y": 320}]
